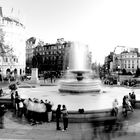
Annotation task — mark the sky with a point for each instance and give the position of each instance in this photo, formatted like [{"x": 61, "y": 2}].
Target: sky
[{"x": 101, "y": 24}]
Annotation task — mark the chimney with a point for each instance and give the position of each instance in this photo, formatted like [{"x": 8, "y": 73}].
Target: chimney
[{"x": 1, "y": 15}]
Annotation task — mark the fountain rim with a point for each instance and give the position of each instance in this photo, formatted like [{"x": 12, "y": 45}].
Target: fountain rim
[{"x": 79, "y": 71}]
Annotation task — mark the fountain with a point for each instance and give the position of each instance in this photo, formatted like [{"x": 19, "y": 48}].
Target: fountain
[
  {"x": 79, "y": 80},
  {"x": 81, "y": 107}
]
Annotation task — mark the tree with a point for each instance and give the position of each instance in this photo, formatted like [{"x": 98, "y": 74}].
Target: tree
[
  {"x": 1, "y": 36},
  {"x": 1, "y": 41},
  {"x": 13, "y": 86},
  {"x": 137, "y": 72},
  {"x": 129, "y": 73},
  {"x": 124, "y": 72},
  {"x": 4, "y": 49},
  {"x": 45, "y": 64}
]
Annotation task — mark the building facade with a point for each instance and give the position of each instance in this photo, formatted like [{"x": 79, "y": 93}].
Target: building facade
[
  {"x": 52, "y": 57},
  {"x": 12, "y": 45},
  {"x": 31, "y": 44},
  {"x": 128, "y": 60}
]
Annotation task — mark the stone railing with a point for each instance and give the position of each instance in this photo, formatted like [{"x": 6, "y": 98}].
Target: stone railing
[{"x": 87, "y": 116}]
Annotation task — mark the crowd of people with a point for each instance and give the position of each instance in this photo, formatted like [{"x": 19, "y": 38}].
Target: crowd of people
[
  {"x": 113, "y": 81},
  {"x": 51, "y": 76},
  {"x": 116, "y": 123},
  {"x": 38, "y": 111},
  {"x": 128, "y": 104}
]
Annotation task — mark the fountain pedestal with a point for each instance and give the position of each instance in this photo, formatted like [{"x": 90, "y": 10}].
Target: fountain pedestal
[
  {"x": 80, "y": 84},
  {"x": 79, "y": 76}
]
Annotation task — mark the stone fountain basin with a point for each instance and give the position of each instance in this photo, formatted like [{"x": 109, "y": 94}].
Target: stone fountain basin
[
  {"x": 87, "y": 116},
  {"x": 83, "y": 86},
  {"x": 94, "y": 105}
]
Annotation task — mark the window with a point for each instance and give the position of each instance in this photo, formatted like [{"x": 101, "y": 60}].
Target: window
[
  {"x": 125, "y": 66},
  {"x": 132, "y": 66}
]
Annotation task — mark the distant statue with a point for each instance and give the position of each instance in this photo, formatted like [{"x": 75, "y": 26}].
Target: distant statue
[{"x": 34, "y": 62}]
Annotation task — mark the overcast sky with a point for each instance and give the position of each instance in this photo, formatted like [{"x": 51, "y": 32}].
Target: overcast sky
[{"x": 102, "y": 24}]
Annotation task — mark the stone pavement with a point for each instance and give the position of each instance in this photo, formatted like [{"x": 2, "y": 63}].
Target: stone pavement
[
  {"x": 26, "y": 83},
  {"x": 16, "y": 128},
  {"x": 4, "y": 85},
  {"x": 20, "y": 129}
]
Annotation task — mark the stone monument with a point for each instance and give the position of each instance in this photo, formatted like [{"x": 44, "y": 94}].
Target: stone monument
[
  {"x": 34, "y": 72},
  {"x": 34, "y": 76}
]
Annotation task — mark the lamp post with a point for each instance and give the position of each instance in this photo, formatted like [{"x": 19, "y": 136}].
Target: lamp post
[
  {"x": 118, "y": 75},
  {"x": 28, "y": 70}
]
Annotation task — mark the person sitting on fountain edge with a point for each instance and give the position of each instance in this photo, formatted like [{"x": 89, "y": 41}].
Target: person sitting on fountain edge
[{"x": 115, "y": 107}]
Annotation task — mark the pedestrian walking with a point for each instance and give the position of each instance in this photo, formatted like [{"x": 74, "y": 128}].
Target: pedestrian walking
[
  {"x": 2, "y": 112},
  {"x": 49, "y": 111},
  {"x": 133, "y": 99},
  {"x": 65, "y": 118},
  {"x": 16, "y": 101},
  {"x": 46, "y": 112},
  {"x": 58, "y": 117},
  {"x": 13, "y": 99},
  {"x": 21, "y": 107}
]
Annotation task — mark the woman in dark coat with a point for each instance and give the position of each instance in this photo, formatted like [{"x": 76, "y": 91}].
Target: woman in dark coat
[
  {"x": 17, "y": 101},
  {"x": 58, "y": 117}
]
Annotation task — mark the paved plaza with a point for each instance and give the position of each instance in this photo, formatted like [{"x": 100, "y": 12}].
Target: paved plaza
[{"x": 16, "y": 128}]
